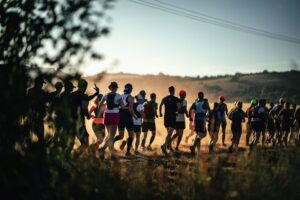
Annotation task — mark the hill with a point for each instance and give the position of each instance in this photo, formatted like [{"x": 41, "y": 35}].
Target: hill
[{"x": 269, "y": 85}]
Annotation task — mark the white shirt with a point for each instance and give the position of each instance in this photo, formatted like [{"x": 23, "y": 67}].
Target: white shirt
[
  {"x": 180, "y": 117},
  {"x": 138, "y": 121},
  {"x": 116, "y": 101}
]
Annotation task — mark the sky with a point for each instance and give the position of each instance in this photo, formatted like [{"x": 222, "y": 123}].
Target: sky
[{"x": 144, "y": 40}]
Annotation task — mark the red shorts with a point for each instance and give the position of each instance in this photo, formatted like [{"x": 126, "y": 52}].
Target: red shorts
[{"x": 111, "y": 118}]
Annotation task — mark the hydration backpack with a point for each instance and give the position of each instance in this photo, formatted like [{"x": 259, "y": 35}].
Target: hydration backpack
[
  {"x": 110, "y": 100},
  {"x": 201, "y": 107}
]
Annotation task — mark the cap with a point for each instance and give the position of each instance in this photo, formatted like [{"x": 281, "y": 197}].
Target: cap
[
  {"x": 222, "y": 98},
  {"x": 139, "y": 97},
  {"x": 182, "y": 92},
  {"x": 253, "y": 101}
]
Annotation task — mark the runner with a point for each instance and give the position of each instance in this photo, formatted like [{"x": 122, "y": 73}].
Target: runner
[
  {"x": 126, "y": 121},
  {"x": 180, "y": 119},
  {"x": 79, "y": 107},
  {"x": 237, "y": 116},
  {"x": 297, "y": 126},
  {"x": 171, "y": 107},
  {"x": 191, "y": 126},
  {"x": 137, "y": 123},
  {"x": 222, "y": 113},
  {"x": 38, "y": 99},
  {"x": 271, "y": 127},
  {"x": 200, "y": 108},
  {"x": 274, "y": 115},
  {"x": 286, "y": 121},
  {"x": 111, "y": 117},
  {"x": 149, "y": 115},
  {"x": 213, "y": 127},
  {"x": 248, "y": 124},
  {"x": 259, "y": 117},
  {"x": 97, "y": 114}
]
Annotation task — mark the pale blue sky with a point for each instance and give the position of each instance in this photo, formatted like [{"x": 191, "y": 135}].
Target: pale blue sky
[{"x": 145, "y": 40}]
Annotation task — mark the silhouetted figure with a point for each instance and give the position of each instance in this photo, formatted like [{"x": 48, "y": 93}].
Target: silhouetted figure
[
  {"x": 213, "y": 127},
  {"x": 171, "y": 104},
  {"x": 271, "y": 126},
  {"x": 222, "y": 113},
  {"x": 249, "y": 129},
  {"x": 274, "y": 114},
  {"x": 259, "y": 117},
  {"x": 286, "y": 121},
  {"x": 79, "y": 106},
  {"x": 64, "y": 125},
  {"x": 237, "y": 117},
  {"x": 38, "y": 99}
]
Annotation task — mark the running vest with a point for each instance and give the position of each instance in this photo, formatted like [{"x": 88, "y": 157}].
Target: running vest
[
  {"x": 110, "y": 101},
  {"x": 125, "y": 101},
  {"x": 259, "y": 113},
  {"x": 201, "y": 107},
  {"x": 138, "y": 114},
  {"x": 182, "y": 106}
]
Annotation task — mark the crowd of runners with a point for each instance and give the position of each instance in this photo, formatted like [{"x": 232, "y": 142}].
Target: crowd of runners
[{"x": 113, "y": 113}]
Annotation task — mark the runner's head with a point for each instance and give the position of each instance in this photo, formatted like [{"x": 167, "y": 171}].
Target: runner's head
[
  {"x": 240, "y": 104},
  {"x": 262, "y": 102},
  {"x": 182, "y": 94},
  {"x": 113, "y": 87},
  {"x": 153, "y": 96},
  {"x": 253, "y": 102},
  {"x": 172, "y": 90},
  {"x": 139, "y": 98},
  {"x": 128, "y": 88},
  {"x": 287, "y": 105},
  {"x": 68, "y": 86},
  {"x": 58, "y": 86},
  {"x": 216, "y": 104},
  {"x": 143, "y": 93},
  {"x": 222, "y": 98},
  {"x": 82, "y": 85},
  {"x": 39, "y": 82},
  {"x": 281, "y": 101},
  {"x": 200, "y": 95}
]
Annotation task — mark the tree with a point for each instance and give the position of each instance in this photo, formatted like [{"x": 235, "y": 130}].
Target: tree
[{"x": 36, "y": 33}]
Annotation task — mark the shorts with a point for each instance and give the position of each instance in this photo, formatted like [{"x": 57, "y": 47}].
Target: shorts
[
  {"x": 200, "y": 128},
  {"x": 180, "y": 125},
  {"x": 126, "y": 121},
  {"x": 111, "y": 118},
  {"x": 222, "y": 124},
  {"x": 236, "y": 128},
  {"x": 170, "y": 121},
  {"x": 99, "y": 130},
  {"x": 258, "y": 126},
  {"x": 137, "y": 128},
  {"x": 148, "y": 126}
]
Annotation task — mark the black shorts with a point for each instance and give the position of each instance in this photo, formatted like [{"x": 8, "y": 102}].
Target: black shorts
[
  {"x": 170, "y": 121},
  {"x": 125, "y": 121},
  {"x": 180, "y": 125},
  {"x": 200, "y": 128},
  {"x": 258, "y": 126},
  {"x": 137, "y": 128},
  {"x": 148, "y": 126},
  {"x": 83, "y": 135}
]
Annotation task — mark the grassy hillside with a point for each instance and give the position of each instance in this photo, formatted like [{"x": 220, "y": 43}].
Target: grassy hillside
[{"x": 269, "y": 85}]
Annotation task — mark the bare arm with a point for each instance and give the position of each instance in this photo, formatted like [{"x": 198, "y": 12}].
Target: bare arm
[
  {"x": 130, "y": 108},
  {"x": 160, "y": 107}
]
